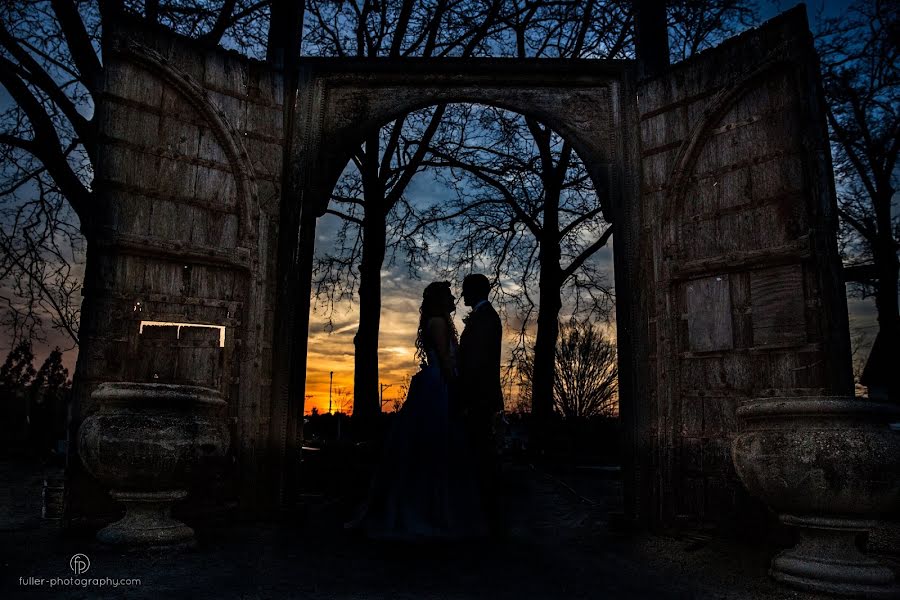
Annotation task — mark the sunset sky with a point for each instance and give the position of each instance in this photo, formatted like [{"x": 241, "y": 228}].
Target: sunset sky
[
  {"x": 400, "y": 311},
  {"x": 401, "y": 298},
  {"x": 334, "y": 351}
]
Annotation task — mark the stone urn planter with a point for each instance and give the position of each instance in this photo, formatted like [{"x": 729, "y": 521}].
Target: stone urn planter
[
  {"x": 143, "y": 444},
  {"x": 830, "y": 466}
]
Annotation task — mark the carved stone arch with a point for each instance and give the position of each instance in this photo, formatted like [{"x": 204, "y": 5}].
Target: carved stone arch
[
  {"x": 583, "y": 101},
  {"x": 587, "y": 102},
  {"x": 597, "y": 159},
  {"x": 228, "y": 139}
]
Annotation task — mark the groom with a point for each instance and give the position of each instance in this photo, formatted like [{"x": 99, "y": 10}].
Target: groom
[{"x": 478, "y": 387}]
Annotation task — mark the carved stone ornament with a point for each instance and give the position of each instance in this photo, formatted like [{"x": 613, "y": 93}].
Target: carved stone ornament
[
  {"x": 829, "y": 466},
  {"x": 144, "y": 444}
]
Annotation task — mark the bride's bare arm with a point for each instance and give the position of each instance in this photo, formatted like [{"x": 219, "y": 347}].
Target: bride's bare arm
[{"x": 439, "y": 332}]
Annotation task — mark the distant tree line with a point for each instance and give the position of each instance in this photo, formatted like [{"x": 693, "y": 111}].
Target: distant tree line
[{"x": 34, "y": 403}]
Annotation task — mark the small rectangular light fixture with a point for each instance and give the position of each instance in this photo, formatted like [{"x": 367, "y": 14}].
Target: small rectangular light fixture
[{"x": 221, "y": 328}]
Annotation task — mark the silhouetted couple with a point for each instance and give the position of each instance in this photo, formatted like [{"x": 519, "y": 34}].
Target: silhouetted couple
[{"x": 438, "y": 476}]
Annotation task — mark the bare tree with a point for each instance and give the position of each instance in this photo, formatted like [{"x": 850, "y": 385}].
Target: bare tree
[
  {"x": 537, "y": 187},
  {"x": 695, "y": 25},
  {"x": 586, "y": 371},
  {"x": 51, "y": 69},
  {"x": 527, "y": 210},
  {"x": 402, "y": 393},
  {"x": 860, "y": 58},
  {"x": 372, "y": 194},
  {"x": 338, "y": 275},
  {"x": 41, "y": 266}
]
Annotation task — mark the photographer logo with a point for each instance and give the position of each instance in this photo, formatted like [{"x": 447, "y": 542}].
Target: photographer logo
[{"x": 79, "y": 564}]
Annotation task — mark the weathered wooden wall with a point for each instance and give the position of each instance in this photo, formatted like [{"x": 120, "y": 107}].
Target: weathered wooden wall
[
  {"x": 739, "y": 258},
  {"x": 189, "y": 173},
  {"x": 727, "y": 268}
]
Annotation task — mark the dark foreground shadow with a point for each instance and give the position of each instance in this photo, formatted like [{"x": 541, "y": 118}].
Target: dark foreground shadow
[{"x": 559, "y": 546}]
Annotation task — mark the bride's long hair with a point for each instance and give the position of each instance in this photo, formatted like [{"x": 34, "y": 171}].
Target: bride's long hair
[{"x": 433, "y": 305}]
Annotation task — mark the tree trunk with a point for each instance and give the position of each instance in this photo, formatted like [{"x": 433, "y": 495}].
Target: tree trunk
[
  {"x": 879, "y": 372},
  {"x": 285, "y": 33},
  {"x": 365, "y": 376},
  {"x": 545, "y": 342},
  {"x": 86, "y": 500},
  {"x": 651, "y": 37},
  {"x": 549, "y": 305}
]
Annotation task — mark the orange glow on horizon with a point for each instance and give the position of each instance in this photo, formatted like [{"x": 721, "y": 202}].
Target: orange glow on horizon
[{"x": 333, "y": 351}]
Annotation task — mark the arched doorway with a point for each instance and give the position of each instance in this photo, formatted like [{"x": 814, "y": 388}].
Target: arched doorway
[
  {"x": 524, "y": 185},
  {"x": 586, "y": 102}
]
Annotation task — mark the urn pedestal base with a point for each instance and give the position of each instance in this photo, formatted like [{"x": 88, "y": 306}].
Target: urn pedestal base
[
  {"x": 145, "y": 444},
  {"x": 826, "y": 559},
  {"x": 829, "y": 466},
  {"x": 148, "y": 522}
]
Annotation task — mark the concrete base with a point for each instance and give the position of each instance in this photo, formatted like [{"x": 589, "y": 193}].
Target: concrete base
[
  {"x": 147, "y": 522},
  {"x": 827, "y": 559}
]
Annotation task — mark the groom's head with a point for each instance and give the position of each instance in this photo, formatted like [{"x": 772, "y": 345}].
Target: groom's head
[{"x": 476, "y": 287}]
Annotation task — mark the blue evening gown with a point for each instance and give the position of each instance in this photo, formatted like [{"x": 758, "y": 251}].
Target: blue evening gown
[{"x": 426, "y": 487}]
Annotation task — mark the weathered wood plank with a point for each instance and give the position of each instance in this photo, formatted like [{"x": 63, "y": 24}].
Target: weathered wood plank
[
  {"x": 745, "y": 259},
  {"x": 168, "y": 222},
  {"x": 657, "y": 169},
  {"x": 662, "y": 129},
  {"x": 129, "y": 122},
  {"x": 179, "y": 138},
  {"x": 708, "y": 302},
  {"x": 264, "y": 156},
  {"x": 235, "y": 110},
  {"x": 129, "y": 213},
  {"x": 132, "y": 82},
  {"x": 200, "y": 356},
  {"x": 210, "y": 282},
  {"x": 157, "y": 356},
  {"x": 778, "y": 306},
  {"x": 210, "y": 149},
  {"x": 216, "y": 187}
]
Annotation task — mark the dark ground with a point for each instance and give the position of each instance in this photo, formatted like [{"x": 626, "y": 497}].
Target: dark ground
[{"x": 559, "y": 546}]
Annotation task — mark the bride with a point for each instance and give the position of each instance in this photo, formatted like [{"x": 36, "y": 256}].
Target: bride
[{"x": 425, "y": 486}]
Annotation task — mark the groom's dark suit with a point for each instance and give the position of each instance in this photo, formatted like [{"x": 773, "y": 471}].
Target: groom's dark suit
[
  {"x": 478, "y": 362},
  {"x": 480, "y": 396}
]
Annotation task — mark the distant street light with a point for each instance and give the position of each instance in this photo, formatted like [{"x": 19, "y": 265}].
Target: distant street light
[
  {"x": 384, "y": 386},
  {"x": 330, "y": 381}
]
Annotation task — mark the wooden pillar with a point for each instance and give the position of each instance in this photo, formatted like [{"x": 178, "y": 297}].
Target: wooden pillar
[
  {"x": 651, "y": 37},
  {"x": 296, "y": 244},
  {"x": 294, "y": 264},
  {"x": 285, "y": 32}
]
